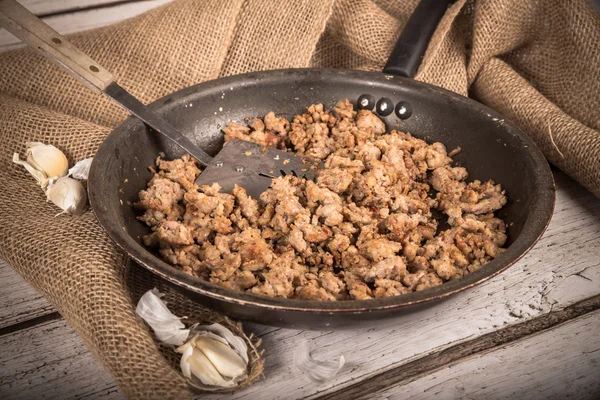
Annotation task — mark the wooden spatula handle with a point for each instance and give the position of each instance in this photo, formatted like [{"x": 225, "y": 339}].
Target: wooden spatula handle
[{"x": 20, "y": 22}]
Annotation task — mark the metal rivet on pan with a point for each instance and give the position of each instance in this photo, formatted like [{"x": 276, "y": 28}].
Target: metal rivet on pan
[
  {"x": 365, "y": 102},
  {"x": 385, "y": 107},
  {"x": 219, "y": 164},
  {"x": 239, "y": 168},
  {"x": 404, "y": 110}
]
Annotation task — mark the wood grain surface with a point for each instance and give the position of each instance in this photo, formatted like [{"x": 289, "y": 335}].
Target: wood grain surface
[
  {"x": 19, "y": 302},
  {"x": 52, "y": 7},
  {"x": 562, "y": 362},
  {"x": 529, "y": 333},
  {"x": 49, "y": 360},
  {"x": 75, "y": 21}
]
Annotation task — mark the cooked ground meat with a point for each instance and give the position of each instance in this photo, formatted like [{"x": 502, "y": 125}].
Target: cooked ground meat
[{"x": 363, "y": 229}]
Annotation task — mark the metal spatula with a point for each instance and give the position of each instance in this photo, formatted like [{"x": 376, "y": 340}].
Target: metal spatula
[{"x": 249, "y": 165}]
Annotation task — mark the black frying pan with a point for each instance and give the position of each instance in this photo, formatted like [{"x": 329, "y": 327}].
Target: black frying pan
[{"x": 491, "y": 148}]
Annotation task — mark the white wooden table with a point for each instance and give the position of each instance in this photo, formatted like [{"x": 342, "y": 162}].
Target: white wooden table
[{"x": 532, "y": 332}]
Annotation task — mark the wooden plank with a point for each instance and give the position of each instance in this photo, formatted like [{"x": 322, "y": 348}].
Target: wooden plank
[
  {"x": 423, "y": 366},
  {"x": 84, "y": 20},
  {"x": 567, "y": 256},
  {"x": 45, "y": 7},
  {"x": 18, "y": 300},
  {"x": 49, "y": 361},
  {"x": 556, "y": 364},
  {"x": 415, "y": 369}
]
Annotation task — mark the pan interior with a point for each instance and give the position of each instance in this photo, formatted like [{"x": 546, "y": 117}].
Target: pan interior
[{"x": 492, "y": 148}]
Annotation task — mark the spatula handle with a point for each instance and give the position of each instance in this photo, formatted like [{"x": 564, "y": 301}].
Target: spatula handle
[
  {"x": 20, "y": 22},
  {"x": 31, "y": 30}
]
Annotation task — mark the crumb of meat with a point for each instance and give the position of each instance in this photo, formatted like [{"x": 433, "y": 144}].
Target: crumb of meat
[
  {"x": 271, "y": 132},
  {"x": 454, "y": 152},
  {"x": 312, "y": 291},
  {"x": 247, "y": 205},
  {"x": 379, "y": 249},
  {"x": 236, "y": 131},
  {"x": 335, "y": 179},
  {"x": 389, "y": 287},
  {"x": 363, "y": 229},
  {"x": 162, "y": 194},
  {"x": 278, "y": 279},
  {"x": 357, "y": 289},
  {"x": 173, "y": 233},
  {"x": 367, "y": 121},
  {"x": 392, "y": 267},
  {"x": 183, "y": 170},
  {"x": 254, "y": 250},
  {"x": 275, "y": 124},
  {"x": 344, "y": 109},
  {"x": 240, "y": 280},
  {"x": 203, "y": 204}
]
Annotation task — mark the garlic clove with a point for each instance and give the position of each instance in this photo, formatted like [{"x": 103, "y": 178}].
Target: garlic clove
[
  {"x": 48, "y": 159},
  {"x": 39, "y": 176},
  {"x": 236, "y": 342},
  {"x": 204, "y": 370},
  {"x": 186, "y": 350},
  {"x": 212, "y": 336},
  {"x": 195, "y": 365},
  {"x": 68, "y": 194},
  {"x": 226, "y": 360}
]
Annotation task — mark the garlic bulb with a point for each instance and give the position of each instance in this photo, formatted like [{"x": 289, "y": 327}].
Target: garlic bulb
[
  {"x": 194, "y": 360},
  {"x": 44, "y": 161},
  {"x": 212, "y": 358},
  {"x": 210, "y": 362},
  {"x": 48, "y": 159},
  {"x": 226, "y": 336},
  {"x": 68, "y": 194}
]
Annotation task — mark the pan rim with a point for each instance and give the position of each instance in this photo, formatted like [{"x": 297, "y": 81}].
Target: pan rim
[{"x": 544, "y": 203}]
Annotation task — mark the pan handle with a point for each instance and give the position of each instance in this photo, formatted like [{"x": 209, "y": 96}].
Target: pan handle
[{"x": 414, "y": 39}]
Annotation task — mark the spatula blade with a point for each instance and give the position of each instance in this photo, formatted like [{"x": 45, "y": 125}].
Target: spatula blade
[{"x": 252, "y": 167}]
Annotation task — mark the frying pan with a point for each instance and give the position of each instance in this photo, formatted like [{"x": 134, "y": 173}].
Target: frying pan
[{"x": 492, "y": 148}]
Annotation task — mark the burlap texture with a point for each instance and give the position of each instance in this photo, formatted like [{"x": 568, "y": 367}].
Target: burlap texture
[{"x": 537, "y": 62}]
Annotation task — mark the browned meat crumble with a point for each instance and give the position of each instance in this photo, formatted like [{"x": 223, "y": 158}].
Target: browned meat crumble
[{"x": 364, "y": 229}]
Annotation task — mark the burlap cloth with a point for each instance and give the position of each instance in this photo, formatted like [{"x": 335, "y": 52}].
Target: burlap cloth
[{"x": 535, "y": 61}]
